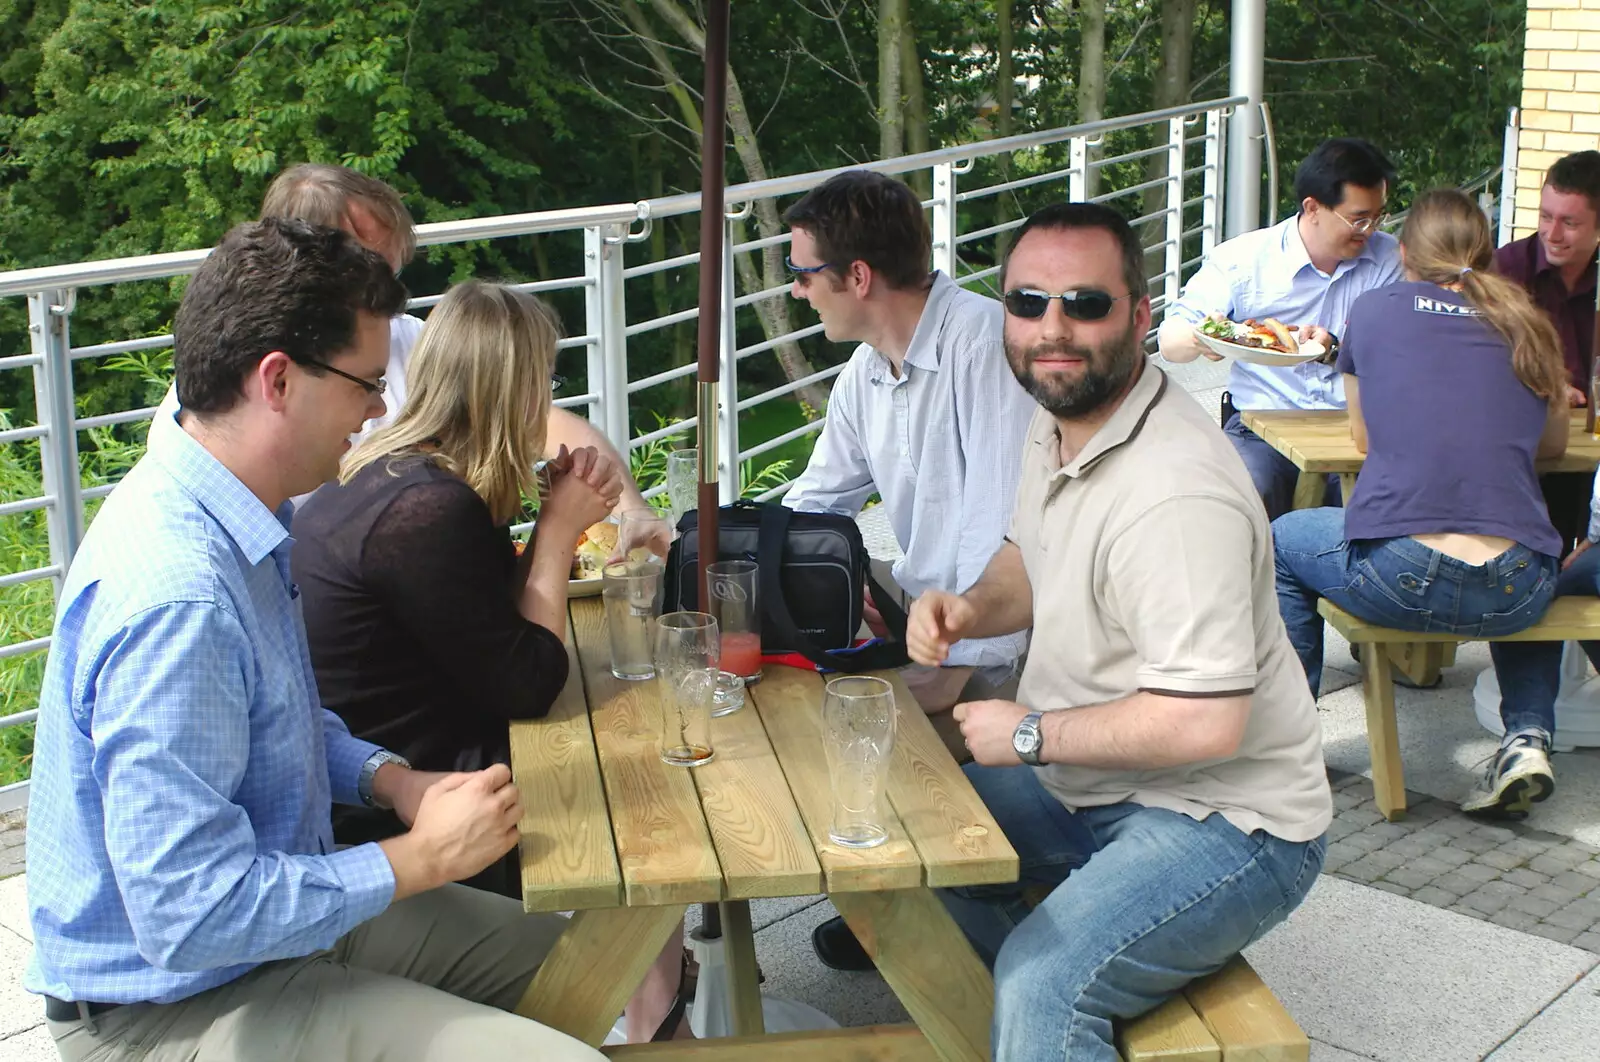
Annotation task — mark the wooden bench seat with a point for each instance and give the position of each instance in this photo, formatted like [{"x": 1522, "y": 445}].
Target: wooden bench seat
[{"x": 1568, "y": 619}]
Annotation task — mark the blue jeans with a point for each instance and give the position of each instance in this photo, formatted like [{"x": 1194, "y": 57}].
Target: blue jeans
[
  {"x": 1583, "y": 580},
  {"x": 1273, "y": 474},
  {"x": 1403, "y": 584},
  {"x": 1142, "y": 902}
]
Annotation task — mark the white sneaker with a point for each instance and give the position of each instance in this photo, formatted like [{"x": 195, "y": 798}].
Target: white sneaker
[{"x": 1519, "y": 778}]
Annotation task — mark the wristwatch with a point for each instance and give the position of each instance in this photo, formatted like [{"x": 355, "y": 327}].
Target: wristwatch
[
  {"x": 369, "y": 771},
  {"x": 1028, "y": 740}
]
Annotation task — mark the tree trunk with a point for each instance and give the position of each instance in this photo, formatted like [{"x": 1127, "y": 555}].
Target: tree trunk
[
  {"x": 1005, "y": 86},
  {"x": 891, "y": 113},
  {"x": 1092, "y": 76},
  {"x": 1171, "y": 90},
  {"x": 773, "y": 313},
  {"x": 916, "y": 106}
]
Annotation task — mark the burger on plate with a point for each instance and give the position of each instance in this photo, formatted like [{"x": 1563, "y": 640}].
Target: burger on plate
[{"x": 595, "y": 547}]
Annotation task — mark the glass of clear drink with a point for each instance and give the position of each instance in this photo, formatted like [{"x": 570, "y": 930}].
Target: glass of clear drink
[
  {"x": 688, "y": 654},
  {"x": 632, "y": 591},
  {"x": 858, "y": 726},
  {"x": 643, "y": 532},
  {"x": 683, "y": 483}
]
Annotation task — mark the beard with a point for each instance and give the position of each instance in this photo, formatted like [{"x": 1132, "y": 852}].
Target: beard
[{"x": 1106, "y": 371}]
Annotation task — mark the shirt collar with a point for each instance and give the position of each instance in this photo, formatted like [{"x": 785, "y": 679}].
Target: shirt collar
[
  {"x": 923, "y": 351},
  {"x": 1294, "y": 248},
  {"x": 1123, "y": 425},
  {"x": 257, "y": 530}
]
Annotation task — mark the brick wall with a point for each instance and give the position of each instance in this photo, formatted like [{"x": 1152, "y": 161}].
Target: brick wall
[{"x": 1560, "y": 95}]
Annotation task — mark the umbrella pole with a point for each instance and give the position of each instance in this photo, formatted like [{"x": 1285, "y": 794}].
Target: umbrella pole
[{"x": 713, "y": 153}]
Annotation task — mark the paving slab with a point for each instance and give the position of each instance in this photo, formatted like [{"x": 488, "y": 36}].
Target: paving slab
[
  {"x": 1399, "y": 981},
  {"x": 19, "y": 1009},
  {"x": 793, "y": 972},
  {"x": 1568, "y": 1029},
  {"x": 14, "y": 906},
  {"x": 1321, "y": 1052},
  {"x": 35, "y": 1045}
]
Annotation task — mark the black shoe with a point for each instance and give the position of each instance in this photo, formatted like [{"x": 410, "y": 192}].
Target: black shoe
[{"x": 838, "y": 948}]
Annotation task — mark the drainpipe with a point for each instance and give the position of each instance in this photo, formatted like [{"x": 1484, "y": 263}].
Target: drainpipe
[{"x": 1246, "y": 78}]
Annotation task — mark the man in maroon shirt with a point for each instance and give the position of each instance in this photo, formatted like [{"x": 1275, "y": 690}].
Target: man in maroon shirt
[{"x": 1557, "y": 267}]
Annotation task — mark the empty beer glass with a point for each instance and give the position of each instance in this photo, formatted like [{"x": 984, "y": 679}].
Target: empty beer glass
[
  {"x": 683, "y": 483},
  {"x": 858, "y": 725},
  {"x": 632, "y": 592},
  {"x": 688, "y": 656}
]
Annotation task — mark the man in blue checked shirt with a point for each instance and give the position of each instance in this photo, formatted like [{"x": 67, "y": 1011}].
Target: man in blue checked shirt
[
  {"x": 185, "y": 894},
  {"x": 1305, "y": 271}
]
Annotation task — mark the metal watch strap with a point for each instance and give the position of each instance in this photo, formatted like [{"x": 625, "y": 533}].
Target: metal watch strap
[{"x": 369, "y": 771}]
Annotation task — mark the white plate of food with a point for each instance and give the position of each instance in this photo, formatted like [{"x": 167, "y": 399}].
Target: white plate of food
[
  {"x": 1264, "y": 342},
  {"x": 595, "y": 547}
]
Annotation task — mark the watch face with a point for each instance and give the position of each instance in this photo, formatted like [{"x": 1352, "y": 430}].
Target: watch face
[{"x": 1026, "y": 739}]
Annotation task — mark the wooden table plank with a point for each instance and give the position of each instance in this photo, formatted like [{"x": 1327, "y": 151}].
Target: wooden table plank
[
  {"x": 1319, "y": 441},
  {"x": 761, "y": 840},
  {"x": 789, "y": 702},
  {"x": 663, "y": 843},
  {"x": 1172, "y": 1032},
  {"x": 1246, "y": 1018},
  {"x": 959, "y": 841},
  {"x": 870, "y": 1043},
  {"x": 569, "y": 861}
]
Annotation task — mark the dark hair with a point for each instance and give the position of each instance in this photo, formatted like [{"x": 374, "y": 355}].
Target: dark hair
[
  {"x": 1577, "y": 174},
  {"x": 1335, "y": 163},
  {"x": 863, "y": 216},
  {"x": 273, "y": 284},
  {"x": 1059, "y": 216}
]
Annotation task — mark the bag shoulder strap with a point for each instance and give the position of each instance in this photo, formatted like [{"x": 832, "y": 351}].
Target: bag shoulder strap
[{"x": 774, "y": 532}]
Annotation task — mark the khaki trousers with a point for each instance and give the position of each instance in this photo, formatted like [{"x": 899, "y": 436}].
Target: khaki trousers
[{"x": 432, "y": 979}]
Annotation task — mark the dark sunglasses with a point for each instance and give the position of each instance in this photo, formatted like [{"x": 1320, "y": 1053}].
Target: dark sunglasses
[
  {"x": 804, "y": 271},
  {"x": 368, "y": 386},
  {"x": 557, "y": 382},
  {"x": 1080, "y": 304}
]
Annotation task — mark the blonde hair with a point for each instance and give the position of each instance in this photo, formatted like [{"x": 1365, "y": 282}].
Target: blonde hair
[
  {"x": 478, "y": 394},
  {"x": 1447, "y": 241},
  {"x": 321, "y": 193}
]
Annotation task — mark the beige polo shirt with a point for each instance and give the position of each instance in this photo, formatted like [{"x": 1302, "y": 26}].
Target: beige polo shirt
[{"x": 1150, "y": 560}]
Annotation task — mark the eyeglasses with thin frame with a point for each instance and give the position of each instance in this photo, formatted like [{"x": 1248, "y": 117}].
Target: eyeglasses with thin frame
[
  {"x": 804, "y": 271},
  {"x": 1080, "y": 304},
  {"x": 1360, "y": 226},
  {"x": 371, "y": 387}
]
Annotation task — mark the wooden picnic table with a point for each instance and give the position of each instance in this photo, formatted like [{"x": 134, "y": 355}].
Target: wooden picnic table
[
  {"x": 1319, "y": 444},
  {"x": 627, "y": 843}
]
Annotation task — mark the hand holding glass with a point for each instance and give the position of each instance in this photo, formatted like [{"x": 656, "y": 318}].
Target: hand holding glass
[{"x": 858, "y": 725}]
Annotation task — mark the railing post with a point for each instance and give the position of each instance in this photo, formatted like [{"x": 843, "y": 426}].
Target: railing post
[
  {"x": 607, "y": 321},
  {"x": 1508, "y": 176},
  {"x": 1211, "y": 207},
  {"x": 944, "y": 219},
  {"x": 729, "y": 484},
  {"x": 48, "y": 314},
  {"x": 1078, "y": 172},
  {"x": 1174, "y": 270}
]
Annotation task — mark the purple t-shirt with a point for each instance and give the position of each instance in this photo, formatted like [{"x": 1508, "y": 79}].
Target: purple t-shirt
[{"x": 1451, "y": 431}]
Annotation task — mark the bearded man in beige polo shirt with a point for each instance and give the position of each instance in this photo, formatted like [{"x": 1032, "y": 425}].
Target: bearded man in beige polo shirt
[{"x": 1161, "y": 770}]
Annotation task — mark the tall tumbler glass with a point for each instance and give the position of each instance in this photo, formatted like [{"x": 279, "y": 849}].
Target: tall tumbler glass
[
  {"x": 731, "y": 598},
  {"x": 858, "y": 724},
  {"x": 683, "y": 483},
  {"x": 688, "y": 657},
  {"x": 632, "y": 591},
  {"x": 642, "y": 532}
]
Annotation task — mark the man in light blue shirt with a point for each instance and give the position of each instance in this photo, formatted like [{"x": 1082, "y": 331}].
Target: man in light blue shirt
[
  {"x": 1306, "y": 272},
  {"x": 184, "y": 889},
  {"x": 926, "y": 414}
]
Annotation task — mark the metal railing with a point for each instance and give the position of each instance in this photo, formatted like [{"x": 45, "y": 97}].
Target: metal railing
[{"x": 1169, "y": 163}]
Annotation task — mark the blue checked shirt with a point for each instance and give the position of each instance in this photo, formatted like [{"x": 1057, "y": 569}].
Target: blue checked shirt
[
  {"x": 178, "y": 832},
  {"x": 941, "y": 443},
  {"x": 1267, "y": 273}
]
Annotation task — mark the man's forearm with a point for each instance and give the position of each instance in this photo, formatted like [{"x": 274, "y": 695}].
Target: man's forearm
[
  {"x": 1002, "y": 598},
  {"x": 572, "y": 431},
  {"x": 1146, "y": 731}
]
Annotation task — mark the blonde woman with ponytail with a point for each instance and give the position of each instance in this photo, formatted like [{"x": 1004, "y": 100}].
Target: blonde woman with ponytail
[
  {"x": 428, "y": 634},
  {"x": 1456, "y": 385}
]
